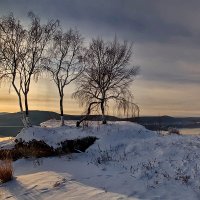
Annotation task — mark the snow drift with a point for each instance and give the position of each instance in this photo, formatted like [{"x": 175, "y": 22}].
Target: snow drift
[{"x": 126, "y": 162}]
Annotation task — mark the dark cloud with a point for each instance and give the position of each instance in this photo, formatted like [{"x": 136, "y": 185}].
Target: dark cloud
[
  {"x": 166, "y": 33},
  {"x": 138, "y": 19}
]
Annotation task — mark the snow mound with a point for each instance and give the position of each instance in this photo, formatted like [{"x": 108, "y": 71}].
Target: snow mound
[
  {"x": 7, "y": 143},
  {"x": 53, "y": 135},
  {"x": 126, "y": 162}
]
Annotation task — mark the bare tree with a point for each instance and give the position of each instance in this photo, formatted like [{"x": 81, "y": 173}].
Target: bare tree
[
  {"x": 21, "y": 52},
  {"x": 108, "y": 76},
  {"x": 65, "y": 61},
  {"x": 37, "y": 40},
  {"x": 12, "y": 51}
]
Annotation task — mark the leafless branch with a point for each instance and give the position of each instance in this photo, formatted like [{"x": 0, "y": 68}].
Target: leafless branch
[{"x": 108, "y": 76}]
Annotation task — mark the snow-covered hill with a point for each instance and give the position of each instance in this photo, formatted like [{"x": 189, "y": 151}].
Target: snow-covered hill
[{"x": 126, "y": 162}]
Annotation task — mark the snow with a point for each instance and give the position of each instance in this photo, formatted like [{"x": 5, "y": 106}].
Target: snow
[
  {"x": 126, "y": 162},
  {"x": 7, "y": 143},
  {"x": 52, "y": 134}
]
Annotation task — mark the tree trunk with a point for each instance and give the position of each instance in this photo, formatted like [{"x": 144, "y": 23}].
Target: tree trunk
[
  {"x": 86, "y": 116},
  {"x": 103, "y": 113},
  {"x": 23, "y": 118},
  {"x": 27, "y": 110},
  {"x": 61, "y": 111}
]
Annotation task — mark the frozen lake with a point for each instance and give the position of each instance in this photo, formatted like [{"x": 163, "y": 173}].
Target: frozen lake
[{"x": 9, "y": 131}]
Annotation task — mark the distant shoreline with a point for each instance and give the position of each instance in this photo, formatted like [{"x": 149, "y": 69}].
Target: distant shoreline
[{"x": 11, "y": 126}]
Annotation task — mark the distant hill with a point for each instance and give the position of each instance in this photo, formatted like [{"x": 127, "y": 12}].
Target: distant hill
[
  {"x": 153, "y": 122},
  {"x": 13, "y": 119},
  {"x": 10, "y": 123}
]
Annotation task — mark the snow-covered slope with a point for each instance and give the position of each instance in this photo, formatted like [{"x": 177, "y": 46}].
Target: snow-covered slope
[
  {"x": 126, "y": 162},
  {"x": 52, "y": 134},
  {"x": 7, "y": 143}
]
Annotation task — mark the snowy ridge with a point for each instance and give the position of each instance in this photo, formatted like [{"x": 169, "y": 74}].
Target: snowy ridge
[
  {"x": 52, "y": 134},
  {"x": 126, "y": 162}
]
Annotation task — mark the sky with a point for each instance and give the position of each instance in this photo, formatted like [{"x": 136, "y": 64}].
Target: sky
[{"x": 166, "y": 46}]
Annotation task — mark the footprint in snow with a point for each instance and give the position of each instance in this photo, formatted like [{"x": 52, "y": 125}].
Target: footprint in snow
[
  {"x": 86, "y": 178},
  {"x": 59, "y": 183},
  {"x": 8, "y": 197},
  {"x": 109, "y": 176},
  {"x": 26, "y": 193},
  {"x": 72, "y": 179},
  {"x": 33, "y": 187},
  {"x": 44, "y": 190}
]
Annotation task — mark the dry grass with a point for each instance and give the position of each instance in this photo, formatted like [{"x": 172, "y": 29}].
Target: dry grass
[
  {"x": 6, "y": 171},
  {"x": 40, "y": 149}
]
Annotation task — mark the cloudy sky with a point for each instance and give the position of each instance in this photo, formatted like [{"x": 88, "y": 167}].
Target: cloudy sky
[{"x": 166, "y": 37}]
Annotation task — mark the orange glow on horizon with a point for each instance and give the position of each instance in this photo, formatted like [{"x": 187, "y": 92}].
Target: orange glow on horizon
[{"x": 160, "y": 100}]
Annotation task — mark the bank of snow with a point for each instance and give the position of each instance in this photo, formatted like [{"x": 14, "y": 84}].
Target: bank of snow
[
  {"x": 52, "y": 134},
  {"x": 7, "y": 143},
  {"x": 126, "y": 162}
]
